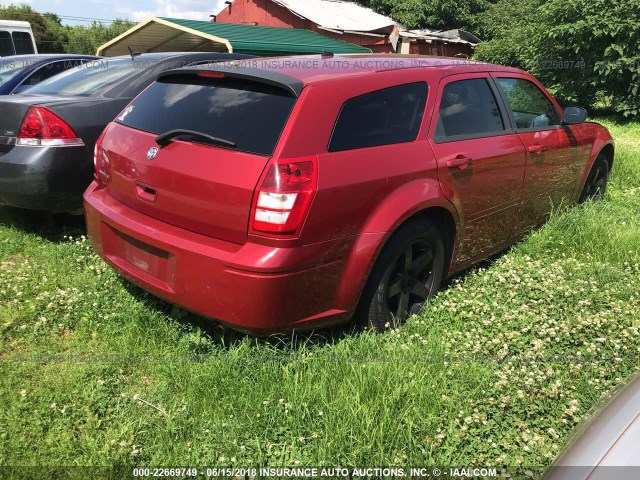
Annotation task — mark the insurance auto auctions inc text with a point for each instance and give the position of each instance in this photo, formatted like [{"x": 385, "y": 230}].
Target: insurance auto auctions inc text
[{"x": 365, "y": 472}]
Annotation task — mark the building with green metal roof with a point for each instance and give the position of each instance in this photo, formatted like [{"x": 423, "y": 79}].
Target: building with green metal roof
[{"x": 161, "y": 34}]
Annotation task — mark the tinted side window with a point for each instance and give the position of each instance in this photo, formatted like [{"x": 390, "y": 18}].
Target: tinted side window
[
  {"x": 468, "y": 107},
  {"x": 6, "y": 45},
  {"x": 388, "y": 116},
  {"x": 531, "y": 108},
  {"x": 23, "y": 43},
  {"x": 47, "y": 71}
]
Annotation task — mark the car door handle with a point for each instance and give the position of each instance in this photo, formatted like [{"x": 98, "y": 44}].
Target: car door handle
[
  {"x": 535, "y": 149},
  {"x": 460, "y": 162}
]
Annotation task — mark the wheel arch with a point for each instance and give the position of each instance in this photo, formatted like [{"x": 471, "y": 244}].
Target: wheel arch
[
  {"x": 606, "y": 147},
  {"x": 368, "y": 246},
  {"x": 609, "y": 151}
]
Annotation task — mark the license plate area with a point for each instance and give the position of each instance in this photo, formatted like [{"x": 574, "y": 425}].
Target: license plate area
[{"x": 138, "y": 259}]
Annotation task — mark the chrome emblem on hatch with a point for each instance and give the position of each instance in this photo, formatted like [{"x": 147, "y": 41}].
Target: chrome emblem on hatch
[{"x": 151, "y": 154}]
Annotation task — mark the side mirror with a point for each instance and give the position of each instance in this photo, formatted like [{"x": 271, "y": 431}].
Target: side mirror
[{"x": 574, "y": 115}]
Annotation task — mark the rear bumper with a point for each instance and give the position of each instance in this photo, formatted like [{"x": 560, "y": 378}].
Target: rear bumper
[
  {"x": 45, "y": 178},
  {"x": 252, "y": 287}
]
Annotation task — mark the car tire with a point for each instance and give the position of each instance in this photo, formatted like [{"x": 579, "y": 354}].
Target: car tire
[
  {"x": 407, "y": 273},
  {"x": 596, "y": 185}
]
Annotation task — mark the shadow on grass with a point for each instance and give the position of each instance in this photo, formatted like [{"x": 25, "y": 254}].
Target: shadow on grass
[
  {"x": 224, "y": 337},
  {"x": 221, "y": 336},
  {"x": 51, "y": 227},
  {"x": 54, "y": 228},
  {"x": 485, "y": 264}
]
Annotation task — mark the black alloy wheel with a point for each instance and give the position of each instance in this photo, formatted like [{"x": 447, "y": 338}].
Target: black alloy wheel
[{"x": 407, "y": 273}]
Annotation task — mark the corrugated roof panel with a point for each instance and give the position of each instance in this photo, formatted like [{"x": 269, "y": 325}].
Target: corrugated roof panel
[
  {"x": 339, "y": 15},
  {"x": 261, "y": 40}
]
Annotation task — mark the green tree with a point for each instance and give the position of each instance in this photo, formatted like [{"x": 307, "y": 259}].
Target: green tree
[
  {"x": 507, "y": 29},
  {"x": 605, "y": 35},
  {"x": 433, "y": 14},
  {"x": 87, "y": 39},
  {"x": 54, "y": 25},
  {"x": 46, "y": 28},
  {"x": 586, "y": 51}
]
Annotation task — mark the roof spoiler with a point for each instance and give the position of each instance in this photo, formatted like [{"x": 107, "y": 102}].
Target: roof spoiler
[{"x": 291, "y": 84}]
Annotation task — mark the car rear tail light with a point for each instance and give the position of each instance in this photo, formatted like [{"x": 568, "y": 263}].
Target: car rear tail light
[
  {"x": 101, "y": 163},
  {"x": 42, "y": 127},
  {"x": 284, "y": 197}
]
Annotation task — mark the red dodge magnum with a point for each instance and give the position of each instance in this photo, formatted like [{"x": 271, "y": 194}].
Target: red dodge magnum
[{"x": 279, "y": 195}]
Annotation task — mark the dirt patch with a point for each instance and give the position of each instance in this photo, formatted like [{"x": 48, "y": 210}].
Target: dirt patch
[{"x": 13, "y": 259}]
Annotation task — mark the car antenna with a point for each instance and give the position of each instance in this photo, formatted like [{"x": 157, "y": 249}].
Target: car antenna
[
  {"x": 132, "y": 53},
  {"x": 325, "y": 54}
]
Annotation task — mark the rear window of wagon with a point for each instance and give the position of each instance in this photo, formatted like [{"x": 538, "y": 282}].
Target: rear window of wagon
[
  {"x": 383, "y": 117},
  {"x": 250, "y": 114}
]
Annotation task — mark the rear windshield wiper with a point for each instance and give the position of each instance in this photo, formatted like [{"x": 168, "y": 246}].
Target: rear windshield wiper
[{"x": 165, "y": 139}]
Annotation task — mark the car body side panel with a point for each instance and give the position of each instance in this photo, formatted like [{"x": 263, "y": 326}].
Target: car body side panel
[
  {"x": 363, "y": 194},
  {"x": 397, "y": 207},
  {"x": 554, "y": 154},
  {"x": 351, "y": 184},
  {"x": 487, "y": 192},
  {"x": 551, "y": 175},
  {"x": 626, "y": 450}
]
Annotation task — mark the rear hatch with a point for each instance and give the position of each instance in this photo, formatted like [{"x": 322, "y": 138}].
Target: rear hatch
[{"x": 202, "y": 185}]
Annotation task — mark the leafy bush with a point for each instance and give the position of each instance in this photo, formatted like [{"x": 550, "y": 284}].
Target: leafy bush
[
  {"x": 86, "y": 40},
  {"x": 606, "y": 34},
  {"x": 586, "y": 51}
]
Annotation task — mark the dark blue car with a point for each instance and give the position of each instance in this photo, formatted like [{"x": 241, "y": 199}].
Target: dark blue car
[{"x": 19, "y": 72}]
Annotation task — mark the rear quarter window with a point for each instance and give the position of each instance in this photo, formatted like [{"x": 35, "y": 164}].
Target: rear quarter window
[
  {"x": 250, "y": 114},
  {"x": 384, "y": 117}
]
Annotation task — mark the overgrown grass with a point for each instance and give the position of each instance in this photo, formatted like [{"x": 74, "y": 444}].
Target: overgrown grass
[{"x": 497, "y": 371}]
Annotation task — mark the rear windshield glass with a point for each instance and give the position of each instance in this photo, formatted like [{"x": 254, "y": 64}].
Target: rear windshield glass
[
  {"x": 252, "y": 115},
  {"x": 94, "y": 78}
]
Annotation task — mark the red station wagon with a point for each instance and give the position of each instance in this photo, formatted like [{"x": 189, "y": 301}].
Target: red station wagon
[{"x": 289, "y": 194}]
